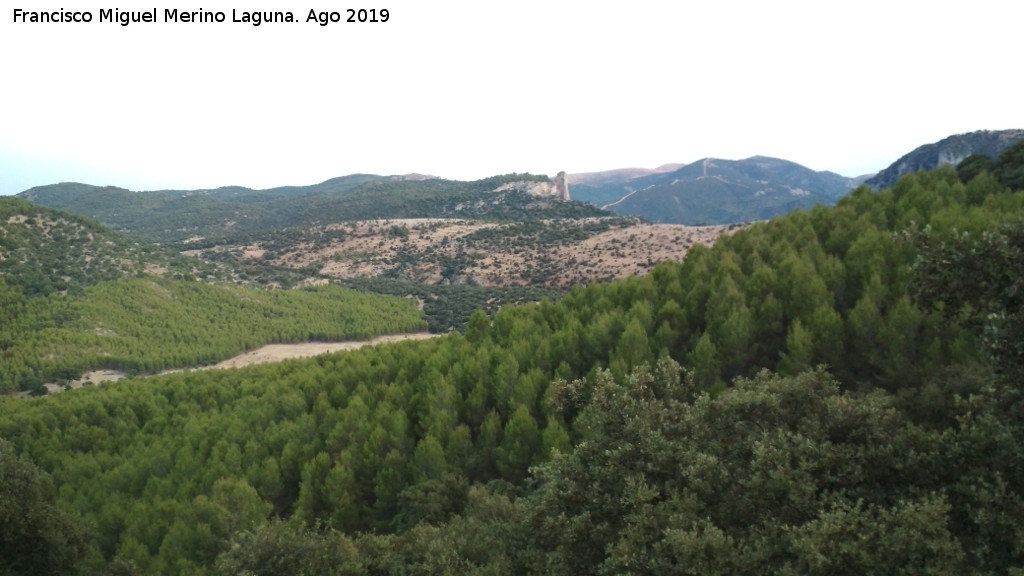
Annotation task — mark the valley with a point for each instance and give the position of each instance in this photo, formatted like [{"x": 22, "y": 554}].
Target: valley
[
  {"x": 529, "y": 385},
  {"x": 102, "y": 300}
]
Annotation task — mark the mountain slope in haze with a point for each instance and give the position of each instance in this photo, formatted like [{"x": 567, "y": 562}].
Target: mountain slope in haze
[
  {"x": 606, "y": 186},
  {"x": 176, "y": 216},
  {"x": 715, "y": 191},
  {"x": 951, "y": 150}
]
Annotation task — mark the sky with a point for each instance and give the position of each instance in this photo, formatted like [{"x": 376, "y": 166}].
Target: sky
[{"x": 470, "y": 89}]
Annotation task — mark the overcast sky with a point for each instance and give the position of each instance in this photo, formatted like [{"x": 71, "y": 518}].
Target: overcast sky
[{"x": 470, "y": 89}]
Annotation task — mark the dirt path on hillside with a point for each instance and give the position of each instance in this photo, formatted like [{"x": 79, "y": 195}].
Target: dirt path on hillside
[
  {"x": 279, "y": 352},
  {"x": 265, "y": 355}
]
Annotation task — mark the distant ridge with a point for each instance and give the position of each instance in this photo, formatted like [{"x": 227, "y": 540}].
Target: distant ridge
[
  {"x": 620, "y": 174},
  {"x": 950, "y": 150},
  {"x": 184, "y": 216},
  {"x": 712, "y": 190}
]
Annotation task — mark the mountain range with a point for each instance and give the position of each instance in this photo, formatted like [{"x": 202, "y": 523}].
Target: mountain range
[
  {"x": 718, "y": 191},
  {"x": 707, "y": 192},
  {"x": 233, "y": 212},
  {"x": 713, "y": 190}
]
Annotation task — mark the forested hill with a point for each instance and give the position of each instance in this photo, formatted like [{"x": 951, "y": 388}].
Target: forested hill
[
  {"x": 44, "y": 251},
  {"x": 235, "y": 212},
  {"x": 75, "y": 296},
  {"x": 716, "y": 191},
  {"x": 148, "y": 324},
  {"x": 564, "y": 438}
]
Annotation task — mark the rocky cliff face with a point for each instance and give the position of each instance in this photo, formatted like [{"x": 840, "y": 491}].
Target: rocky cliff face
[
  {"x": 557, "y": 188},
  {"x": 951, "y": 150},
  {"x": 561, "y": 183}
]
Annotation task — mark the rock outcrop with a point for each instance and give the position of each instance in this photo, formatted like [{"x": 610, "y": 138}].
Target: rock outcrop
[
  {"x": 557, "y": 188},
  {"x": 562, "y": 187}
]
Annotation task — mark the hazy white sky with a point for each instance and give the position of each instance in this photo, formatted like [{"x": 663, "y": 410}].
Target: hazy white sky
[{"x": 469, "y": 89}]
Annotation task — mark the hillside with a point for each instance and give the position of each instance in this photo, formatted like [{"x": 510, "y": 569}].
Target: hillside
[
  {"x": 44, "y": 251},
  {"x": 554, "y": 253},
  {"x": 76, "y": 296},
  {"x": 147, "y": 325},
  {"x": 950, "y": 150},
  {"x": 179, "y": 216},
  {"x": 453, "y": 266},
  {"x": 714, "y": 191},
  {"x": 491, "y": 232}
]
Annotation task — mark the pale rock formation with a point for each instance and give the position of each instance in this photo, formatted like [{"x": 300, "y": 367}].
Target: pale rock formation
[
  {"x": 557, "y": 188},
  {"x": 562, "y": 187}
]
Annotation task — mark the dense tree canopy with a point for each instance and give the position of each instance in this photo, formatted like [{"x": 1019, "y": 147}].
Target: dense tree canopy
[
  {"x": 149, "y": 324},
  {"x": 35, "y": 536}
]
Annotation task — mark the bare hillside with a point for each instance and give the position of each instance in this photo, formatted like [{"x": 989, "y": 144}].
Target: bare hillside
[{"x": 552, "y": 253}]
